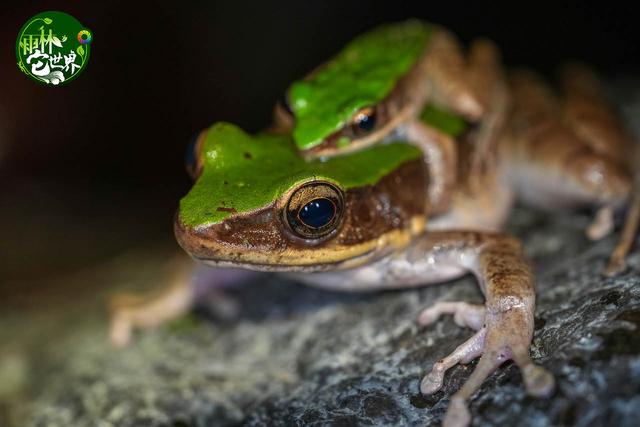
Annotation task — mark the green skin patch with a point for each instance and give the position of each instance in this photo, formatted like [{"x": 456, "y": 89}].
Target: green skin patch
[
  {"x": 445, "y": 121},
  {"x": 242, "y": 173},
  {"x": 362, "y": 74}
]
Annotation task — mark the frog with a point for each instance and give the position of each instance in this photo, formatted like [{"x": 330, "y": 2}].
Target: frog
[
  {"x": 398, "y": 171},
  {"x": 429, "y": 94}
]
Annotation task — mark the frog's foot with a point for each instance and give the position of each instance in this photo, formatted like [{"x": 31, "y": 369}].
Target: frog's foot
[
  {"x": 133, "y": 311},
  {"x": 602, "y": 224},
  {"x": 186, "y": 285},
  {"x": 464, "y": 314},
  {"x": 497, "y": 340},
  {"x": 172, "y": 298},
  {"x": 617, "y": 263},
  {"x": 495, "y": 351}
]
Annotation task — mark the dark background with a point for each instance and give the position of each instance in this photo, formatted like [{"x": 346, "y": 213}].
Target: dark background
[{"x": 90, "y": 169}]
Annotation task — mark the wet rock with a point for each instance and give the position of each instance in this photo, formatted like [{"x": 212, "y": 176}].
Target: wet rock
[
  {"x": 301, "y": 356},
  {"x": 298, "y": 355}
]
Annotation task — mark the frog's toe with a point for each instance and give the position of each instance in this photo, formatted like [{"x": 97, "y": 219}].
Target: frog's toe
[
  {"x": 130, "y": 312},
  {"x": 602, "y": 224},
  {"x": 120, "y": 329},
  {"x": 464, "y": 314},
  {"x": 617, "y": 264},
  {"x": 458, "y": 410},
  {"x": 457, "y": 415},
  {"x": 538, "y": 381},
  {"x": 464, "y": 353}
]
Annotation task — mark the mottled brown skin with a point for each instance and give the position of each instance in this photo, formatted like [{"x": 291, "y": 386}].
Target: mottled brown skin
[
  {"x": 527, "y": 142},
  {"x": 555, "y": 161},
  {"x": 542, "y": 141},
  {"x": 591, "y": 117},
  {"x": 572, "y": 151}
]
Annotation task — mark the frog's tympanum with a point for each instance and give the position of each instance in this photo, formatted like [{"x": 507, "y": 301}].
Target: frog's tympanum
[{"x": 395, "y": 165}]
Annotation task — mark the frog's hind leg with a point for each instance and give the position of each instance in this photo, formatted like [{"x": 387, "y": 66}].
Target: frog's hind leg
[
  {"x": 588, "y": 112},
  {"x": 617, "y": 262},
  {"x": 594, "y": 121},
  {"x": 446, "y": 70},
  {"x": 586, "y": 109},
  {"x": 556, "y": 159},
  {"x": 549, "y": 163}
]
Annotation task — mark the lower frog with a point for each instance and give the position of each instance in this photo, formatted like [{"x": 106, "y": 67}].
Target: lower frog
[{"x": 406, "y": 186}]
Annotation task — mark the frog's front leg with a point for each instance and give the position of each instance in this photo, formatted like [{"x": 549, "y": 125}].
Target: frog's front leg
[
  {"x": 487, "y": 78},
  {"x": 187, "y": 285},
  {"x": 446, "y": 70},
  {"x": 441, "y": 155},
  {"x": 505, "y": 325}
]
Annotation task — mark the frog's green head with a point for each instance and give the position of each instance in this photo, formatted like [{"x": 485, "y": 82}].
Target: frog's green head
[
  {"x": 257, "y": 204},
  {"x": 352, "y": 100}
]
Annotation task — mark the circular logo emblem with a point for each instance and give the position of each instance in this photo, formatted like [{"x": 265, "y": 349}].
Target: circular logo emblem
[{"x": 53, "y": 48}]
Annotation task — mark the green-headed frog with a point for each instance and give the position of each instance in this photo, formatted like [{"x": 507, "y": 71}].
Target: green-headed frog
[{"x": 395, "y": 165}]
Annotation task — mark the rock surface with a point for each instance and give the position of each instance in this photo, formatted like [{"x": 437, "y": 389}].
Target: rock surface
[{"x": 301, "y": 356}]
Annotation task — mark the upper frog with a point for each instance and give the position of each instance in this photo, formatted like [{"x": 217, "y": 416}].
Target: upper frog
[
  {"x": 258, "y": 204},
  {"x": 385, "y": 85},
  {"x": 364, "y": 73}
]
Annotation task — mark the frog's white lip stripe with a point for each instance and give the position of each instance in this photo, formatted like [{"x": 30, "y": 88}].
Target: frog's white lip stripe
[
  {"x": 320, "y": 267},
  {"x": 269, "y": 267}
]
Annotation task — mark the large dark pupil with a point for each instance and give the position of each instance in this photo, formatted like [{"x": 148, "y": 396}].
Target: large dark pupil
[
  {"x": 317, "y": 213},
  {"x": 366, "y": 122}
]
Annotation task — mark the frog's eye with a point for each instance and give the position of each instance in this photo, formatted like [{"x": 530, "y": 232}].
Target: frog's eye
[
  {"x": 364, "y": 121},
  {"x": 192, "y": 156},
  {"x": 314, "y": 210}
]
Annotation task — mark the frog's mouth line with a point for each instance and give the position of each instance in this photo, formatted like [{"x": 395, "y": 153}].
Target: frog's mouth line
[{"x": 318, "y": 267}]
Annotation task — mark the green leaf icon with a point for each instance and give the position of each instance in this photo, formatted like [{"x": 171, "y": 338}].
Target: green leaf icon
[
  {"x": 80, "y": 50},
  {"x": 48, "y": 20}
]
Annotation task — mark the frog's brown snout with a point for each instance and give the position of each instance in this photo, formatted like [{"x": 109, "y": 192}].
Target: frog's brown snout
[{"x": 238, "y": 239}]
